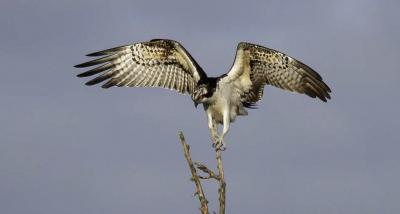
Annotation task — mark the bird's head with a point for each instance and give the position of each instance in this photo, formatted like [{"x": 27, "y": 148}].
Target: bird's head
[{"x": 202, "y": 94}]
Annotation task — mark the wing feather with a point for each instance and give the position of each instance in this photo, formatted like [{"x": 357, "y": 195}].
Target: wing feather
[
  {"x": 256, "y": 66},
  {"x": 97, "y": 61},
  {"x": 102, "y": 77},
  {"x": 161, "y": 63},
  {"x": 96, "y": 70}
]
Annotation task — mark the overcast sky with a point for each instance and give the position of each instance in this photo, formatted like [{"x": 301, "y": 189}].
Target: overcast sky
[{"x": 69, "y": 148}]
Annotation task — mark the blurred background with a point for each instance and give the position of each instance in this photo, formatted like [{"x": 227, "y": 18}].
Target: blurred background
[{"x": 69, "y": 148}]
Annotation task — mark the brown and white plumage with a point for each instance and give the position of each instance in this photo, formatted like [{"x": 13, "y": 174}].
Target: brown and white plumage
[
  {"x": 158, "y": 63},
  {"x": 256, "y": 66},
  {"x": 166, "y": 63}
]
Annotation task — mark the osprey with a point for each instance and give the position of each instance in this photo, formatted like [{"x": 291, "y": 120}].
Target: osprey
[{"x": 166, "y": 63}]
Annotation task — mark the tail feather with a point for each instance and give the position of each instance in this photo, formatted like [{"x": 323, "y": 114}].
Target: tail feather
[{"x": 250, "y": 105}]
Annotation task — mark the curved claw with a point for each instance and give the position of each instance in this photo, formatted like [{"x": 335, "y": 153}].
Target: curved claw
[{"x": 219, "y": 144}]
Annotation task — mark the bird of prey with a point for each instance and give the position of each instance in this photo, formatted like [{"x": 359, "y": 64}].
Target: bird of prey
[{"x": 166, "y": 64}]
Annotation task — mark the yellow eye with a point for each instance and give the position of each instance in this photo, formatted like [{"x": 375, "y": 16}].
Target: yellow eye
[{"x": 201, "y": 97}]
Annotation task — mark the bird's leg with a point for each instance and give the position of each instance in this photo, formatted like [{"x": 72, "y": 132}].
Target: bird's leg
[
  {"x": 211, "y": 125},
  {"x": 215, "y": 130},
  {"x": 220, "y": 142}
]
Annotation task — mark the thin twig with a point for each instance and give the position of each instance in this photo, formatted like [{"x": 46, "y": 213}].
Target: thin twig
[
  {"x": 210, "y": 173},
  {"x": 222, "y": 184},
  {"x": 221, "y": 177},
  {"x": 195, "y": 177}
]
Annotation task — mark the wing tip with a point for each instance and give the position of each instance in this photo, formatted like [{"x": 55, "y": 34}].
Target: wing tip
[
  {"x": 324, "y": 98},
  {"x": 328, "y": 89},
  {"x": 95, "y": 54},
  {"x": 81, "y": 65}
]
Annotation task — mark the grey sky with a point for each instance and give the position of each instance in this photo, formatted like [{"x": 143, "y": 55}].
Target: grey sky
[{"x": 69, "y": 148}]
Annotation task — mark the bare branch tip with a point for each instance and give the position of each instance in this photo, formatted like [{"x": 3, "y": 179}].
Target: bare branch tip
[{"x": 196, "y": 193}]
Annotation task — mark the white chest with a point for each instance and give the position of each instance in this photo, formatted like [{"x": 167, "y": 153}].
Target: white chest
[{"x": 227, "y": 101}]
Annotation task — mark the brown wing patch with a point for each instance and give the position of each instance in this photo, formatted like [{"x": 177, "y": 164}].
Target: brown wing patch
[
  {"x": 180, "y": 59},
  {"x": 274, "y": 68}
]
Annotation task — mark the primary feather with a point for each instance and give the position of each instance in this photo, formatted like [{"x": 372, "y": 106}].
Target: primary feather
[
  {"x": 167, "y": 64},
  {"x": 159, "y": 63}
]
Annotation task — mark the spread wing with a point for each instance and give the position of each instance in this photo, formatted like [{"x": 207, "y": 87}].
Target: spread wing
[
  {"x": 159, "y": 63},
  {"x": 256, "y": 66}
]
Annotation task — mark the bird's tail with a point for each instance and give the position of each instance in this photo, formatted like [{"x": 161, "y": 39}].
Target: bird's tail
[{"x": 250, "y": 105}]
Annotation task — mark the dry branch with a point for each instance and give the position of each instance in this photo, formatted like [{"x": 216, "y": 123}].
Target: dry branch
[
  {"x": 222, "y": 184},
  {"x": 195, "y": 177},
  {"x": 211, "y": 174}
]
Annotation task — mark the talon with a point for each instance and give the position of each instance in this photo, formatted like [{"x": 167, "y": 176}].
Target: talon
[
  {"x": 223, "y": 146},
  {"x": 219, "y": 144}
]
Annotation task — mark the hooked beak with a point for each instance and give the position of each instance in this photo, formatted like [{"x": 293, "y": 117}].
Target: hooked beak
[{"x": 195, "y": 104}]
